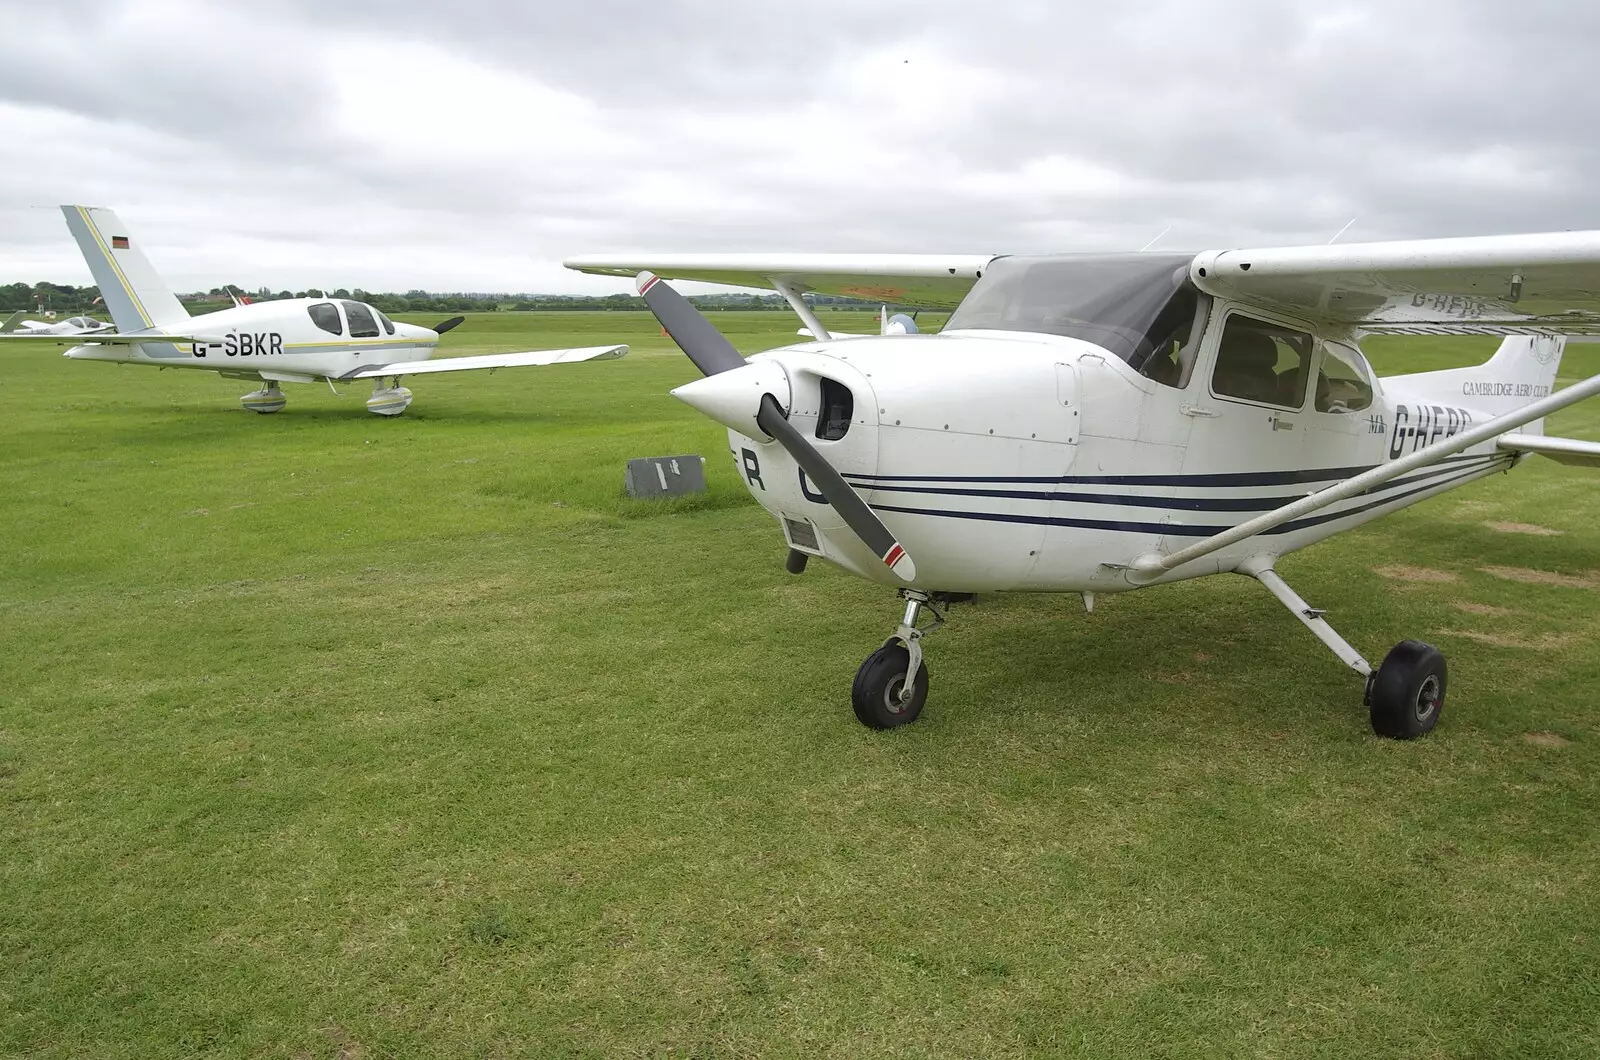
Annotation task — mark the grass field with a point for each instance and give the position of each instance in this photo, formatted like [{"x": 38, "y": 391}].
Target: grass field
[{"x": 324, "y": 735}]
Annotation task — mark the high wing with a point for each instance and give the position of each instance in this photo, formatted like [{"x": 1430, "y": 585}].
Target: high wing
[
  {"x": 489, "y": 360},
  {"x": 931, "y": 281},
  {"x": 1488, "y": 285}
]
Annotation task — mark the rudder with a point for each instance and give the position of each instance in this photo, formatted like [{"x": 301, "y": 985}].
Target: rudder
[{"x": 134, "y": 294}]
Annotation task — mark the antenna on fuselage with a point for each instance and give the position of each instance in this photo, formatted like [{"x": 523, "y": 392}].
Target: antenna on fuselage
[
  {"x": 1156, "y": 240},
  {"x": 1341, "y": 231}
]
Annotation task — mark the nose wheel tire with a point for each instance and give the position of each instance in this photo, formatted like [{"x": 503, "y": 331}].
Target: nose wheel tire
[
  {"x": 876, "y": 693},
  {"x": 1408, "y": 690}
]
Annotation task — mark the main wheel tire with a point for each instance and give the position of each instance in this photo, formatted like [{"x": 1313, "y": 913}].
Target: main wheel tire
[
  {"x": 1408, "y": 691},
  {"x": 875, "y": 695}
]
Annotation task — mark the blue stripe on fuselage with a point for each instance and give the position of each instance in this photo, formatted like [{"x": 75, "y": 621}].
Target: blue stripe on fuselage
[
  {"x": 1196, "y": 504},
  {"x": 1429, "y": 481}
]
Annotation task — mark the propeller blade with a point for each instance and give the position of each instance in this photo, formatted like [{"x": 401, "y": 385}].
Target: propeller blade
[
  {"x": 444, "y": 326},
  {"x": 862, "y": 520},
  {"x": 696, "y": 336},
  {"x": 713, "y": 354}
]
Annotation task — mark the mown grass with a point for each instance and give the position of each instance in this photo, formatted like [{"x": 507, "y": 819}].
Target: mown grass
[{"x": 325, "y": 735}]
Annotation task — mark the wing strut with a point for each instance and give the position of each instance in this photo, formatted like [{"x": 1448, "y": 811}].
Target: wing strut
[
  {"x": 1148, "y": 568},
  {"x": 797, "y": 302}
]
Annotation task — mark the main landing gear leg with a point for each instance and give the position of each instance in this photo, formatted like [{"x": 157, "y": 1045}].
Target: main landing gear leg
[
  {"x": 1405, "y": 693},
  {"x": 267, "y": 400},
  {"x": 892, "y": 685},
  {"x": 388, "y": 398}
]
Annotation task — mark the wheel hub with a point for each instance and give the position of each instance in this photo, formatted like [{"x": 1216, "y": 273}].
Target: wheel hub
[
  {"x": 1427, "y": 698},
  {"x": 891, "y": 695}
]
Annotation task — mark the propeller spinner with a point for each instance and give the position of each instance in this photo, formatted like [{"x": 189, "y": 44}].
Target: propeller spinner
[{"x": 745, "y": 397}]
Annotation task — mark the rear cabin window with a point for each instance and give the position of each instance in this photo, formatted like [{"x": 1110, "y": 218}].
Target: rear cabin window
[
  {"x": 1258, "y": 361},
  {"x": 326, "y": 317},
  {"x": 362, "y": 326},
  {"x": 1343, "y": 384}
]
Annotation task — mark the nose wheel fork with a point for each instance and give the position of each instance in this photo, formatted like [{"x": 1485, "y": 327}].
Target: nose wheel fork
[{"x": 892, "y": 684}]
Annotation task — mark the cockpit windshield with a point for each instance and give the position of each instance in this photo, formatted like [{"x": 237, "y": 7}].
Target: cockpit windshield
[{"x": 1131, "y": 304}]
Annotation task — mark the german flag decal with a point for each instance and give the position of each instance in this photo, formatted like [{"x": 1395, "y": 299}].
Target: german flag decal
[{"x": 119, "y": 242}]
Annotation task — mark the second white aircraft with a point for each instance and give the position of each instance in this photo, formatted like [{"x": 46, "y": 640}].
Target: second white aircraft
[{"x": 293, "y": 340}]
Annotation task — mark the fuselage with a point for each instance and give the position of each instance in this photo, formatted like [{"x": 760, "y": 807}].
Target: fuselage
[
  {"x": 1008, "y": 460},
  {"x": 307, "y": 338}
]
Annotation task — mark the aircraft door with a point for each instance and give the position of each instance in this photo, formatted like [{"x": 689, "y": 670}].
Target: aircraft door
[{"x": 1247, "y": 448}]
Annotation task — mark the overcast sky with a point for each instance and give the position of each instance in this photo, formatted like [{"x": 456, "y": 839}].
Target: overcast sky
[{"x": 473, "y": 145}]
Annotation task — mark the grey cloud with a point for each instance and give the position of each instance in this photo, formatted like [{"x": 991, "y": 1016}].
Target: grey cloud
[{"x": 696, "y": 125}]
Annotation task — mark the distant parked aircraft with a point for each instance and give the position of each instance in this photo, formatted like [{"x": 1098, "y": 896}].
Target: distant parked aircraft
[
  {"x": 295, "y": 340},
  {"x": 16, "y": 325}
]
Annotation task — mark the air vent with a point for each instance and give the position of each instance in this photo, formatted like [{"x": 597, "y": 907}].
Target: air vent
[
  {"x": 838, "y": 405},
  {"x": 802, "y": 536}
]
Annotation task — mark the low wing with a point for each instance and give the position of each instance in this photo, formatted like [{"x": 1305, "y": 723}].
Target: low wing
[
  {"x": 1528, "y": 284},
  {"x": 933, "y": 281},
  {"x": 1561, "y": 450},
  {"x": 489, "y": 360}
]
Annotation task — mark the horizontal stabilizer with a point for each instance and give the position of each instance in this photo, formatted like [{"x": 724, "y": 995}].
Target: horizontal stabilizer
[
  {"x": 489, "y": 360},
  {"x": 106, "y": 338},
  {"x": 1561, "y": 450}
]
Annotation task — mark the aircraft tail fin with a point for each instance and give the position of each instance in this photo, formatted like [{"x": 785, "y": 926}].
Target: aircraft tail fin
[
  {"x": 1521, "y": 371},
  {"x": 134, "y": 294},
  {"x": 11, "y": 322}
]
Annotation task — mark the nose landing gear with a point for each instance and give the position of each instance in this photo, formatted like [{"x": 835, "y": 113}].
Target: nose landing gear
[{"x": 892, "y": 684}]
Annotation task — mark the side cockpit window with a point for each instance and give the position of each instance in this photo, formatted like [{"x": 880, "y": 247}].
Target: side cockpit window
[
  {"x": 1176, "y": 341},
  {"x": 1258, "y": 361},
  {"x": 1343, "y": 382},
  {"x": 362, "y": 326},
  {"x": 388, "y": 325},
  {"x": 325, "y": 316}
]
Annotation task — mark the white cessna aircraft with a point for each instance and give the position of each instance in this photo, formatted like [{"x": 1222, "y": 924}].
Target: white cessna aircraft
[
  {"x": 298, "y": 340},
  {"x": 72, "y": 326},
  {"x": 1096, "y": 423}
]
